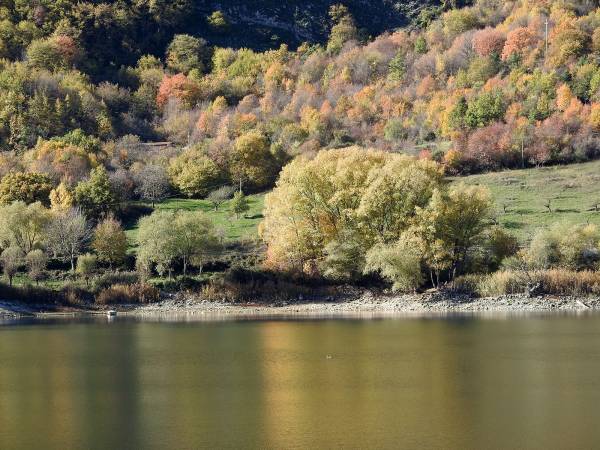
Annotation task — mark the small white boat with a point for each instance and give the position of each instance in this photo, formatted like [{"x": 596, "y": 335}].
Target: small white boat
[{"x": 111, "y": 313}]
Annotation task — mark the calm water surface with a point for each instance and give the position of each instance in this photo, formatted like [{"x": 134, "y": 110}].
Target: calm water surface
[{"x": 461, "y": 383}]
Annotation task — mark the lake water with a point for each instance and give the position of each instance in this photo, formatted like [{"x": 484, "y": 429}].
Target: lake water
[{"x": 454, "y": 383}]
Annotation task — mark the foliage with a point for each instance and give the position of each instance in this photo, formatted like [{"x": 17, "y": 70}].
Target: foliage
[
  {"x": 168, "y": 237},
  {"x": 95, "y": 195},
  {"x": 186, "y": 53},
  {"x": 110, "y": 241},
  {"x": 239, "y": 204},
  {"x": 194, "y": 173},
  {"x": 23, "y": 226},
  {"x": 26, "y": 187},
  {"x": 11, "y": 259}
]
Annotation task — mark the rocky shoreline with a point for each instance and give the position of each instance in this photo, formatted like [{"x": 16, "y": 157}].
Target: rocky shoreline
[{"x": 365, "y": 304}]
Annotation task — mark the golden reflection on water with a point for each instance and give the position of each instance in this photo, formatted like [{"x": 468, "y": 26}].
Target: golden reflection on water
[{"x": 422, "y": 383}]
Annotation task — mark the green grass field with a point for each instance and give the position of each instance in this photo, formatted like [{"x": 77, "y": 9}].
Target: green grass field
[
  {"x": 522, "y": 196},
  {"x": 232, "y": 229}
]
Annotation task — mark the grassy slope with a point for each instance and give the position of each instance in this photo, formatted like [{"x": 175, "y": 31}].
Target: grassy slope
[
  {"x": 234, "y": 229},
  {"x": 573, "y": 192}
]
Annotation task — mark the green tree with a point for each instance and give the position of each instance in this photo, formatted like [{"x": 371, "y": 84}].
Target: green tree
[
  {"x": 110, "y": 242},
  {"x": 23, "y": 226},
  {"x": 194, "y": 173},
  {"x": 485, "y": 108},
  {"x": 343, "y": 29},
  {"x": 399, "y": 263},
  {"x": 239, "y": 204},
  {"x": 86, "y": 266},
  {"x": 95, "y": 195},
  {"x": 218, "y": 22},
  {"x": 185, "y": 53},
  {"x": 451, "y": 227}
]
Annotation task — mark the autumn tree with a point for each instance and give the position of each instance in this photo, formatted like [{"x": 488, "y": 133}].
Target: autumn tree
[
  {"x": 25, "y": 187},
  {"x": 194, "y": 173},
  {"x": 11, "y": 259},
  {"x": 252, "y": 162},
  {"x": 110, "y": 242}
]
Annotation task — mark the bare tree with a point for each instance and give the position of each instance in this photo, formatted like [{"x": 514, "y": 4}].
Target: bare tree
[
  {"x": 153, "y": 184},
  {"x": 220, "y": 196},
  {"x": 68, "y": 234},
  {"x": 11, "y": 259}
]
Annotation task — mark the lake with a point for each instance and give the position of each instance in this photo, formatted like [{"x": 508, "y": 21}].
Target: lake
[{"x": 453, "y": 383}]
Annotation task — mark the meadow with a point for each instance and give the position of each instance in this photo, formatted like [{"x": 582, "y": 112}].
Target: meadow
[{"x": 535, "y": 198}]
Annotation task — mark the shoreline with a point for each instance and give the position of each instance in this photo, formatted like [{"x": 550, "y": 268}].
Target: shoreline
[{"x": 365, "y": 305}]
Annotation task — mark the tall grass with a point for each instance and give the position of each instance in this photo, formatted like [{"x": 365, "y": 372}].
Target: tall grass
[{"x": 553, "y": 282}]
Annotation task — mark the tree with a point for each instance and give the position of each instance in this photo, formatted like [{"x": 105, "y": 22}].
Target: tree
[
  {"x": 220, "y": 196},
  {"x": 185, "y": 53},
  {"x": 218, "y": 22},
  {"x": 485, "y": 108},
  {"x": 95, "y": 196},
  {"x": 343, "y": 29},
  {"x": 110, "y": 241},
  {"x": 239, "y": 204},
  {"x": 517, "y": 41},
  {"x": 12, "y": 259},
  {"x": 36, "y": 261},
  {"x": 194, "y": 173},
  {"x": 86, "y": 266},
  {"x": 23, "y": 226},
  {"x": 252, "y": 162},
  {"x": 399, "y": 264},
  {"x": 68, "y": 234},
  {"x": 367, "y": 194},
  {"x": 166, "y": 237},
  {"x": 26, "y": 187},
  {"x": 53, "y": 53},
  {"x": 488, "y": 41},
  {"x": 157, "y": 243},
  {"x": 153, "y": 184},
  {"x": 61, "y": 197},
  {"x": 195, "y": 236},
  {"x": 451, "y": 227}
]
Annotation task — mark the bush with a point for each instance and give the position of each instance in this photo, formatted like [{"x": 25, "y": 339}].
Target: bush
[
  {"x": 109, "y": 279},
  {"x": 128, "y": 294}
]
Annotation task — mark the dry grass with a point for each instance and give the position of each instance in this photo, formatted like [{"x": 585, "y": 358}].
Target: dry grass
[{"x": 553, "y": 282}]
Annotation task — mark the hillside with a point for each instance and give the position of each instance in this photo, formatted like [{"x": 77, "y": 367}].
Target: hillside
[{"x": 527, "y": 200}]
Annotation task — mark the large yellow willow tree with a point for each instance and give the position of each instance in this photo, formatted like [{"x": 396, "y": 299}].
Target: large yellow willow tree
[{"x": 353, "y": 211}]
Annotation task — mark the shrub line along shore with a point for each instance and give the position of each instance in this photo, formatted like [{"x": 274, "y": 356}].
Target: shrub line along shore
[{"x": 366, "y": 304}]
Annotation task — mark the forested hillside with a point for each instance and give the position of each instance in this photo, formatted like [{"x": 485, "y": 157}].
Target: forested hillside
[{"x": 103, "y": 105}]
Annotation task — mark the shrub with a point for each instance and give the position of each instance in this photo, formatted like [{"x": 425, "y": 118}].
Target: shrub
[
  {"x": 109, "y": 279},
  {"x": 128, "y": 294}
]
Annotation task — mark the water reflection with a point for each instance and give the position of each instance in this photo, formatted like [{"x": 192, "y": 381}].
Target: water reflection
[{"x": 459, "y": 382}]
